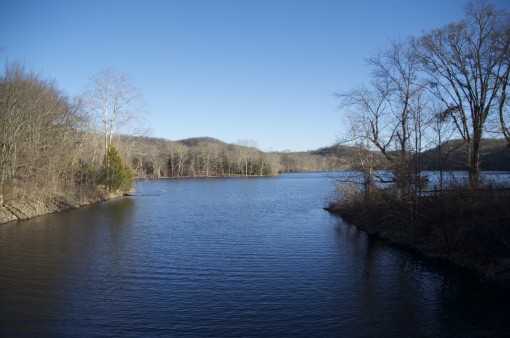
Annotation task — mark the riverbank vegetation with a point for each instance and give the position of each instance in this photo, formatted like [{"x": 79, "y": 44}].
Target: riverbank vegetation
[
  {"x": 431, "y": 99},
  {"x": 50, "y": 158},
  {"x": 49, "y": 143}
]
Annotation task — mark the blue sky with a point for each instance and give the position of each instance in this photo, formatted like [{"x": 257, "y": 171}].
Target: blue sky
[{"x": 263, "y": 70}]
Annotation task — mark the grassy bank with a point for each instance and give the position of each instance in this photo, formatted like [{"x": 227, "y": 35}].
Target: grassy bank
[{"x": 468, "y": 227}]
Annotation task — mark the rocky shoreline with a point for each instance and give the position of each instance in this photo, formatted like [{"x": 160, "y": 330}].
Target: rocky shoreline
[{"x": 23, "y": 209}]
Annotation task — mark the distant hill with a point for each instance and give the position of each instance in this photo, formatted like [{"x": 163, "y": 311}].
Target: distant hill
[
  {"x": 195, "y": 141},
  {"x": 494, "y": 155},
  {"x": 335, "y": 150}
]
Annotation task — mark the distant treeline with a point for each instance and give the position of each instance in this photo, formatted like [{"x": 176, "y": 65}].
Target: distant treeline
[
  {"x": 451, "y": 155},
  {"x": 209, "y": 157}
]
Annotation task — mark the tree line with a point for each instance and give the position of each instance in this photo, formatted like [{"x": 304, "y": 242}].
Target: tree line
[
  {"x": 50, "y": 143},
  {"x": 209, "y": 157}
]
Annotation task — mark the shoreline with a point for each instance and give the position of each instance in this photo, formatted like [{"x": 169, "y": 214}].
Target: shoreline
[
  {"x": 24, "y": 209},
  {"x": 494, "y": 270}
]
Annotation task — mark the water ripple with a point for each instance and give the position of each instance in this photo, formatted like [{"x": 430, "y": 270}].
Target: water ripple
[{"x": 227, "y": 258}]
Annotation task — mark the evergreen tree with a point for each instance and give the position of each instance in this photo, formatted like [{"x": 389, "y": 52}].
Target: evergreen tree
[{"x": 115, "y": 174}]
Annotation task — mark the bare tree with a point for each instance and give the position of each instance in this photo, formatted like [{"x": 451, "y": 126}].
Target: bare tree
[
  {"x": 467, "y": 63},
  {"x": 245, "y": 150},
  {"x": 388, "y": 113},
  {"x": 177, "y": 159},
  {"x": 503, "y": 104},
  {"x": 359, "y": 136},
  {"x": 115, "y": 102},
  {"x": 37, "y": 129}
]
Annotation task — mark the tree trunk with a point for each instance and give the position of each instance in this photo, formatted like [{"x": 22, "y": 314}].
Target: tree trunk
[{"x": 474, "y": 158}]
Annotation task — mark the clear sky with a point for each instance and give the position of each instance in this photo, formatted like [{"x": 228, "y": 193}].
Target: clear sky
[{"x": 262, "y": 70}]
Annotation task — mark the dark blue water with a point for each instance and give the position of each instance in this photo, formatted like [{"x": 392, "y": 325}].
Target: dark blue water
[{"x": 228, "y": 258}]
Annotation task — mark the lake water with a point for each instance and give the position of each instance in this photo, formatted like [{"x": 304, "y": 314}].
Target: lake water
[{"x": 228, "y": 258}]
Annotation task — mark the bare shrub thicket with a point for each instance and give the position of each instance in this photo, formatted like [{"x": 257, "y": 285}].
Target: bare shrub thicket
[{"x": 37, "y": 132}]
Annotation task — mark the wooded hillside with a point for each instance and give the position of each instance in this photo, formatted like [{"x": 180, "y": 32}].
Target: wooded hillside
[
  {"x": 494, "y": 155},
  {"x": 209, "y": 157}
]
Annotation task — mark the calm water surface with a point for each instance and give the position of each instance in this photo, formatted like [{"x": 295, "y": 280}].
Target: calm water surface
[{"x": 228, "y": 257}]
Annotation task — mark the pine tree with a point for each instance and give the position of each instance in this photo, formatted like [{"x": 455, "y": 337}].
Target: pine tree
[{"x": 115, "y": 174}]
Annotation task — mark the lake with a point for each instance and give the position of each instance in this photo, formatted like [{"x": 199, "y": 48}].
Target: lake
[{"x": 233, "y": 257}]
